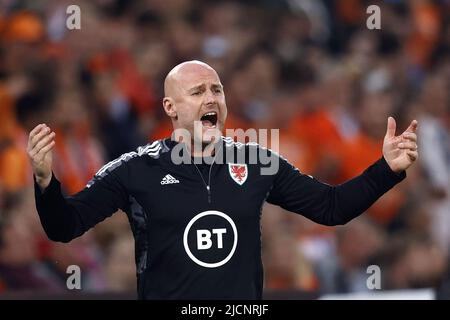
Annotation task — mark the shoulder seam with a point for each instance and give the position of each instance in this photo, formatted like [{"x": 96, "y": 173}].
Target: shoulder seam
[
  {"x": 149, "y": 149},
  {"x": 229, "y": 141}
]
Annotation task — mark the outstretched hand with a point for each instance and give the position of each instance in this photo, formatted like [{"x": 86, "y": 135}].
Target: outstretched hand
[
  {"x": 400, "y": 152},
  {"x": 40, "y": 145}
]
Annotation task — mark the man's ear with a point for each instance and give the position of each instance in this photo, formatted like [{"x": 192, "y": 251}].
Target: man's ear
[{"x": 169, "y": 107}]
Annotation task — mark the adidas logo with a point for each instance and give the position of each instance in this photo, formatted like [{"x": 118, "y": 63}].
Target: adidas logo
[{"x": 168, "y": 179}]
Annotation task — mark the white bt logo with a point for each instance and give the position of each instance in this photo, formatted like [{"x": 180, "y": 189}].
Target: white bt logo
[
  {"x": 168, "y": 179},
  {"x": 210, "y": 247},
  {"x": 204, "y": 238}
]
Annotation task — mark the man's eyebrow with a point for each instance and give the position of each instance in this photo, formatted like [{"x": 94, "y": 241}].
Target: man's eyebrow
[
  {"x": 217, "y": 85},
  {"x": 198, "y": 87}
]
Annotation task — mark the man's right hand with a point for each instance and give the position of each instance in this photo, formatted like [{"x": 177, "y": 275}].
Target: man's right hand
[{"x": 40, "y": 143}]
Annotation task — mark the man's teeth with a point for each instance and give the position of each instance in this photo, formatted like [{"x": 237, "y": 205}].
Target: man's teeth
[{"x": 210, "y": 114}]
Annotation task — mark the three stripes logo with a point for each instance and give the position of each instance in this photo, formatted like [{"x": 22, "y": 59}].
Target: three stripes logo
[
  {"x": 152, "y": 150},
  {"x": 168, "y": 179}
]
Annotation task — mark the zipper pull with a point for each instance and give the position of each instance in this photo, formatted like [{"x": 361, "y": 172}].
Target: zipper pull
[{"x": 209, "y": 193}]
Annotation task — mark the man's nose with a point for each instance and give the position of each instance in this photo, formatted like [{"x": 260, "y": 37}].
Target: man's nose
[{"x": 210, "y": 98}]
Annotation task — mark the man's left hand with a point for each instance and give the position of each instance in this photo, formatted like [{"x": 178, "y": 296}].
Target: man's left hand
[{"x": 400, "y": 151}]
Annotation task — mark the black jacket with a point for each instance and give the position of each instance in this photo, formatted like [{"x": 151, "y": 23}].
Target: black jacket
[{"x": 195, "y": 243}]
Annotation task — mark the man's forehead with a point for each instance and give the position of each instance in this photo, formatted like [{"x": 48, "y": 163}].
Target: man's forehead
[
  {"x": 194, "y": 75},
  {"x": 190, "y": 74}
]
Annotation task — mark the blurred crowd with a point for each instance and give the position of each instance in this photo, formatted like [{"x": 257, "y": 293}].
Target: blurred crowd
[{"x": 307, "y": 67}]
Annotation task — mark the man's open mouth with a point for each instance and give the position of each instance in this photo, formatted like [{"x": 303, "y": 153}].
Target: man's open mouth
[{"x": 209, "y": 119}]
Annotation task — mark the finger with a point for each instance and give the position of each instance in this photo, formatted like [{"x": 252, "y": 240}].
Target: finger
[
  {"x": 41, "y": 144},
  {"x": 38, "y": 137},
  {"x": 41, "y": 154},
  {"x": 413, "y": 155},
  {"x": 412, "y": 127},
  {"x": 391, "y": 126},
  {"x": 407, "y": 145},
  {"x": 44, "y": 141},
  {"x": 36, "y": 130},
  {"x": 410, "y": 136}
]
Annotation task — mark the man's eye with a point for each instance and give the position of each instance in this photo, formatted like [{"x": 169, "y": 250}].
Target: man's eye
[
  {"x": 196, "y": 93},
  {"x": 218, "y": 90}
]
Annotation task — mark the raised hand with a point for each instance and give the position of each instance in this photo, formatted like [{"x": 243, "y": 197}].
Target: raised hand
[
  {"x": 40, "y": 143},
  {"x": 400, "y": 152}
]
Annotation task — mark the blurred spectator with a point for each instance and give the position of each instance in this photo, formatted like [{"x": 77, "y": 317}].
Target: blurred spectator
[
  {"x": 20, "y": 268},
  {"x": 120, "y": 267},
  {"x": 357, "y": 245},
  {"x": 435, "y": 143}
]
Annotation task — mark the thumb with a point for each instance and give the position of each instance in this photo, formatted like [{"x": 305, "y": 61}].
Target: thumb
[{"x": 391, "y": 126}]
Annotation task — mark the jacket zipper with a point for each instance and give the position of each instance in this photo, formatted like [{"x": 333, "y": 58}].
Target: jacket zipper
[{"x": 207, "y": 185}]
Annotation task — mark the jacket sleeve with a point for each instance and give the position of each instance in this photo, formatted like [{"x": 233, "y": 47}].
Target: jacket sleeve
[
  {"x": 331, "y": 205},
  {"x": 65, "y": 218}
]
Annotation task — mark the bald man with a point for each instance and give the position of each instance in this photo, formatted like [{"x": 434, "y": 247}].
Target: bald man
[{"x": 197, "y": 226}]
